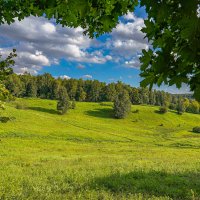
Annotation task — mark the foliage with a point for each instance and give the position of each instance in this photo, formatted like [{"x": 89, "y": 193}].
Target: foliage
[
  {"x": 5, "y": 64},
  {"x": 122, "y": 105},
  {"x": 180, "y": 105},
  {"x": 163, "y": 110},
  {"x": 196, "y": 129},
  {"x": 4, "y": 95},
  {"x": 63, "y": 104},
  {"x": 96, "y": 17},
  {"x": 173, "y": 27},
  {"x": 194, "y": 107},
  {"x": 73, "y": 104},
  {"x": 47, "y": 87},
  {"x": 5, "y": 70}
]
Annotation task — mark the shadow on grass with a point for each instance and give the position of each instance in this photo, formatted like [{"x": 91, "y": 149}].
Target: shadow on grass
[
  {"x": 45, "y": 110},
  {"x": 158, "y": 112},
  {"x": 102, "y": 113},
  {"x": 176, "y": 186}
]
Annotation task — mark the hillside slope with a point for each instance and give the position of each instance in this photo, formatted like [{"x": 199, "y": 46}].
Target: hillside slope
[{"x": 87, "y": 154}]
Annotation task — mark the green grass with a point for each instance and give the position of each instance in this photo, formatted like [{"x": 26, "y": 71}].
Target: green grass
[{"x": 86, "y": 154}]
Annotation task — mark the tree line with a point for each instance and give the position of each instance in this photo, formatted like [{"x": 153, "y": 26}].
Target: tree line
[{"x": 47, "y": 87}]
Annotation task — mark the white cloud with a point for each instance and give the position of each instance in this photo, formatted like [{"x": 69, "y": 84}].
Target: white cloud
[
  {"x": 127, "y": 41},
  {"x": 134, "y": 63},
  {"x": 39, "y": 42},
  {"x": 87, "y": 76},
  {"x": 65, "y": 77}
]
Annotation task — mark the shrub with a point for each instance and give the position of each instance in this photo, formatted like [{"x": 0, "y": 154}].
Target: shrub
[
  {"x": 196, "y": 129},
  {"x": 163, "y": 110}
]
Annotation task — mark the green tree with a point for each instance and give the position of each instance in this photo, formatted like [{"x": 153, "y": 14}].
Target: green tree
[
  {"x": 194, "y": 107},
  {"x": 5, "y": 70},
  {"x": 96, "y": 17},
  {"x": 4, "y": 95},
  {"x": 173, "y": 27},
  {"x": 186, "y": 104},
  {"x": 6, "y": 64},
  {"x": 180, "y": 105},
  {"x": 122, "y": 105},
  {"x": 135, "y": 96},
  {"x": 63, "y": 104},
  {"x": 80, "y": 94},
  {"x": 152, "y": 97},
  {"x": 110, "y": 92},
  {"x": 14, "y": 84}
]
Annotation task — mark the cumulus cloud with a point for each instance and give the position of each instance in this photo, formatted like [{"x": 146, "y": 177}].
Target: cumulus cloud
[
  {"x": 87, "y": 76},
  {"x": 127, "y": 41},
  {"x": 40, "y": 42},
  {"x": 65, "y": 77}
]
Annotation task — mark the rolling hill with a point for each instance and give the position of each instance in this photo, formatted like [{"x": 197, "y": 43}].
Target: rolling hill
[{"x": 87, "y": 154}]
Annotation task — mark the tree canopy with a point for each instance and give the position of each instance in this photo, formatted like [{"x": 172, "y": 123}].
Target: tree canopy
[
  {"x": 95, "y": 16},
  {"x": 172, "y": 27}
]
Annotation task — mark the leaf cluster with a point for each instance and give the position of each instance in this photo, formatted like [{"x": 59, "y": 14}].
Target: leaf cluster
[
  {"x": 173, "y": 28},
  {"x": 95, "y": 16}
]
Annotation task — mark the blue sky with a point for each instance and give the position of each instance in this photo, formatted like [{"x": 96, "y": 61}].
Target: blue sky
[{"x": 43, "y": 47}]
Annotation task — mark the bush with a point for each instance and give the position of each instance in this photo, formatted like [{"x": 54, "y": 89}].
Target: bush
[
  {"x": 196, "y": 129},
  {"x": 163, "y": 110}
]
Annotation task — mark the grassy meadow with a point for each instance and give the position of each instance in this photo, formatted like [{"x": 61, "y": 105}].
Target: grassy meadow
[{"x": 87, "y": 154}]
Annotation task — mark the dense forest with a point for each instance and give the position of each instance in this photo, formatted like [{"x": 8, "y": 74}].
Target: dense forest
[{"x": 47, "y": 87}]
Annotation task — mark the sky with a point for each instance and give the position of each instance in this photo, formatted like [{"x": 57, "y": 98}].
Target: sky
[{"x": 44, "y": 47}]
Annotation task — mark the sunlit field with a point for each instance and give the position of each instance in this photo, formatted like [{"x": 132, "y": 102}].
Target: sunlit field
[{"x": 87, "y": 154}]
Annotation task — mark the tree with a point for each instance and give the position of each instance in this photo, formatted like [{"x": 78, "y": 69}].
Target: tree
[
  {"x": 5, "y": 64},
  {"x": 110, "y": 92},
  {"x": 96, "y": 17},
  {"x": 80, "y": 94},
  {"x": 173, "y": 27},
  {"x": 94, "y": 91},
  {"x": 194, "y": 107},
  {"x": 63, "y": 104},
  {"x": 122, "y": 104},
  {"x": 180, "y": 105},
  {"x": 14, "y": 84},
  {"x": 5, "y": 70},
  {"x": 4, "y": 95},
  {"x": 135, "y": 96}
]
